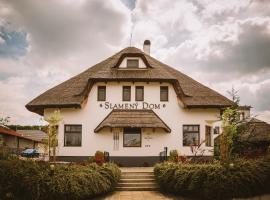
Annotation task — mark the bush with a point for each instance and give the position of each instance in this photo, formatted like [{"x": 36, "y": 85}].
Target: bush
[
  {"x": 173, "y": 157},
  {"x": 214, "y": 181},
  {"x": 99, "y": 157},
  {"x": 31, "y": 180}
]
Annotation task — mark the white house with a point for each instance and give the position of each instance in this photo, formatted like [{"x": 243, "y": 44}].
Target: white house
[{"x": 132, "y": 106}]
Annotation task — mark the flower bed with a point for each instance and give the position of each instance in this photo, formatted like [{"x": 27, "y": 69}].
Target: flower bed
[
  {"x": 214, "y": 181},
  {"x": 32, "y": 180}
]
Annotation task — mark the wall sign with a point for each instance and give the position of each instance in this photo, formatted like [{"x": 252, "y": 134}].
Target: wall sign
[{"x": 134, "y": 106}]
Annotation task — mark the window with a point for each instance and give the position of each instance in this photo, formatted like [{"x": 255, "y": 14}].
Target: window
[
  {"x": 101, "y": 93},
  {"x": 208, "y": 136},
  {"x": 132, "y": 137},
  {"x": 216, "y": 130},
  {"x": 139, "y": 93},
  {"x": 191, "y": 135},
  {"x": 126, "y": 93},
  {"x": 164, "y": 93},
  {"x": 132, "y": 63},
  {"x": 73, "y": 135}
]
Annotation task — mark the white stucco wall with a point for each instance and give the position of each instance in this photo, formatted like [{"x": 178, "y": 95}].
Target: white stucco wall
[{"x": 172, "y": 114}]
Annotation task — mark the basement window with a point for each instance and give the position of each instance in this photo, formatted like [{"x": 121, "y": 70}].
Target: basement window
[{"x": 132, "y": 63}]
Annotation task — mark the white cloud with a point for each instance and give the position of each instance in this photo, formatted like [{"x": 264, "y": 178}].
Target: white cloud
[
  {"x": 64, "y": 38},
  {"x": 220, "y": 43}
]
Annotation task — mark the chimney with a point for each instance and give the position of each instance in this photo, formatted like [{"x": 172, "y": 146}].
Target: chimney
[{"x": 146, "y": 46}]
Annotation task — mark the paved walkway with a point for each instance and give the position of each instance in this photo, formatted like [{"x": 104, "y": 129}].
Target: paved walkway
[{"x": 137, "y": 195}]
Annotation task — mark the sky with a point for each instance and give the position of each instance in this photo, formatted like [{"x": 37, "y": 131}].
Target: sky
[{"x": 222, "y": 44}]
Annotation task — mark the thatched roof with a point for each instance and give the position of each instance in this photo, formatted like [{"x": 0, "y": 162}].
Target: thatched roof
[
  {"x": 36, "y": 135},
  {"x": 132, "y": 119},
  {"x": 254, "y": 131},
  {"x": 74, "y": 91}
]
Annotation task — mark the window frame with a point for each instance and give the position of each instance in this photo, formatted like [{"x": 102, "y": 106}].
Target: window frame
[
  {"x": 72, "y": 132},
  {"x": 123, "y": 89},
  {"x": 98, "y": 92},
  {"x": 167, "y": 88},
  {"x": 139, "y": 87},
  {"x": 131, "y": 133},
  {"x": 133, "y": 59},
  {"x": 199, "y": 134}
]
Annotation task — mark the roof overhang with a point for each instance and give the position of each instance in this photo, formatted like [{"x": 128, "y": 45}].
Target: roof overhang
[{"x": 134, "y": 119}]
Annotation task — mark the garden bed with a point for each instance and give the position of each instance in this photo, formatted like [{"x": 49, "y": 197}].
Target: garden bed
[
  {"x": 33, "y": 180},
  {"x": 241, "y": 179}
]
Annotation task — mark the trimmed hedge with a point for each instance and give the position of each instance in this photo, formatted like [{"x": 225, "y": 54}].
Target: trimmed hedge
[
  {"x": 214, "y": 181},
  {"x": 32, "y": 180}
]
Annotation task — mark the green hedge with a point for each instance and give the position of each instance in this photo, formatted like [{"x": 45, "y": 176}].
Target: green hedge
[
  {"x": 31, "y": 180},
  {"x": 214, "y": 181}
]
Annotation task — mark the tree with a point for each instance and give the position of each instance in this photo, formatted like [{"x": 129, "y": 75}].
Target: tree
[
  {"x": 4, "y": 121},
  {"x": 234, "y": 96},
  {"x": 53, "y": 121},
  {"x": 229, "y": 137}
]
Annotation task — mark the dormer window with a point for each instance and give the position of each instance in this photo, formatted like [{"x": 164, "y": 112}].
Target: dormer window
[{"x": 132, "y": 63}]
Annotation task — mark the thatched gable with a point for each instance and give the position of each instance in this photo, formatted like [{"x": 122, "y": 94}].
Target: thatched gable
[{"x": 74, "y": 91}]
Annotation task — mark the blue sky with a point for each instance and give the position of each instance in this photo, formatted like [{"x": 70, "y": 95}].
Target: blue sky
[
  {"x": 219, "y": 43},
  {"x": 13, "y": 44}
]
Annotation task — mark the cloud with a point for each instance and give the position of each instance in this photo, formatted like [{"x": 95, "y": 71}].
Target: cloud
[
  {"x": 63, "y": 38},
  {"x": 218, "y": 43}
]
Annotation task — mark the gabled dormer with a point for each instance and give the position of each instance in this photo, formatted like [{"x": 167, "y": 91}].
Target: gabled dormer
[{"x": 134, "y": 61}]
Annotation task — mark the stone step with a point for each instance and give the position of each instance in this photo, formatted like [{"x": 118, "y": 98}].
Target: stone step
[
  {"x": 137, "y": 180},
  {"x": 137, "y": 188},
  {"x": 153, "y": 184},
  {"x": 137, "y": 176},
  {"x": 137, "y": 173}
]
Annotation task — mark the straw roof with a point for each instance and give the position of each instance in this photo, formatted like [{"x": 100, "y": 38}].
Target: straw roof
[
  {"x": 255, "y": 130},
  {"x": 74, "y": 91},
  {"x": 132, "y": 119},
  {"x": 36, "y": 135}
]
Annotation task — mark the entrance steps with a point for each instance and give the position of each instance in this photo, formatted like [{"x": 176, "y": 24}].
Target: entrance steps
[{"x": 137, "y": 181}]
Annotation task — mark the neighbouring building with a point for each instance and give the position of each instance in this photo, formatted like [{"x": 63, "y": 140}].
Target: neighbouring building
[
  {"x": 36, "y": 135},
  {"x": 132, "y": 106},
  {"x": 14, "y": 142}
]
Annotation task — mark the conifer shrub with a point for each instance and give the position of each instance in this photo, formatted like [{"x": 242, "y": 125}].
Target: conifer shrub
[
  {"x": 243, "y": 178},
  {"x": 32, "y": 180}
]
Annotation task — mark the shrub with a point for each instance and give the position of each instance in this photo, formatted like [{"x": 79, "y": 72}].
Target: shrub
[
  {"x": 173, "y": 157},
  {"x": 215, "y": 181},
  {"x": 99, "y": 157},
  {"x": 31, "y": 180}
]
